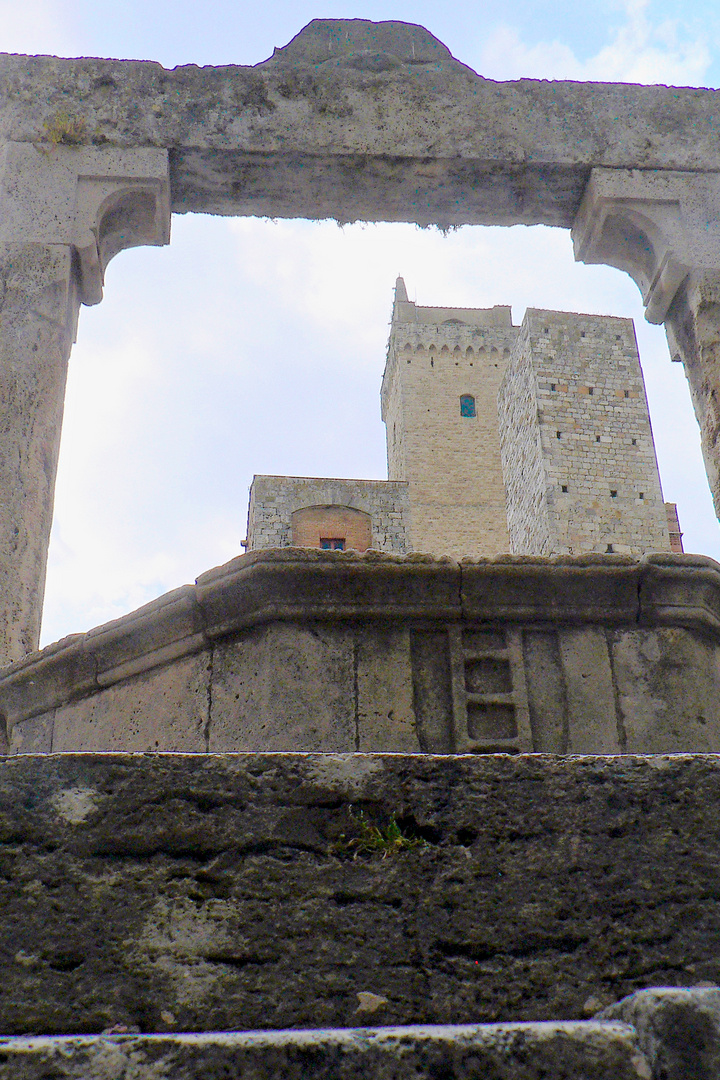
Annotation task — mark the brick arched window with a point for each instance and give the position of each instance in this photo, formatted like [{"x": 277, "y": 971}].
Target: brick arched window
[
  {"x": 467, "y": 405},
  {"x": 333, "y": 528}
]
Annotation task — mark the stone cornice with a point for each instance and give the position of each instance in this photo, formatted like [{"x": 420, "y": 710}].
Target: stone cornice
[{"x": 296, "y": 584}]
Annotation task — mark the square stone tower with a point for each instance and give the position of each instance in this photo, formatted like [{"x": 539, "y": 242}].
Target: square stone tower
[
  {"x": 439, "y": 403},
  {"x": 577, "y": 448}
]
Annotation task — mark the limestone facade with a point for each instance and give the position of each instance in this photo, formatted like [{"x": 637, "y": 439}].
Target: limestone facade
[
  {"x": 577, "y": 447},
  {"x": 450, "y": 461}
]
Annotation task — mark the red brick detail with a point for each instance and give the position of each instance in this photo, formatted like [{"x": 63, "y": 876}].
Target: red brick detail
[
  {"x": 312, "y": 523},
  {"x": 676, "y": 543}
]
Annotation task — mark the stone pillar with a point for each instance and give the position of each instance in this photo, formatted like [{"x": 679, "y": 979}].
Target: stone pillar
[
  {"x": 64, "y": 212},
  {"x": 663, "y": 228}
]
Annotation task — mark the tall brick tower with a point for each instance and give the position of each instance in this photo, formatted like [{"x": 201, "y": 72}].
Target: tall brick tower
[
  {"x": 577, "y": 447},
  {"x": 439, "y": 403}
]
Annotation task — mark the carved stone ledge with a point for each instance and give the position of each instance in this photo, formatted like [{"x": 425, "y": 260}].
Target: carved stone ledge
[
  {"x": 657, "y": 225},
  {"x": 97, "y": 201}
]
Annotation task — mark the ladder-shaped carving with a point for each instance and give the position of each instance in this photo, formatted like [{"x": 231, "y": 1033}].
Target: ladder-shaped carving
[{"x": 490, "y": 706}]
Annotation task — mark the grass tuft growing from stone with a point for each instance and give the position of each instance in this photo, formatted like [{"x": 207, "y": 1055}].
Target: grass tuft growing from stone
[{"x": 371, "y": 839}]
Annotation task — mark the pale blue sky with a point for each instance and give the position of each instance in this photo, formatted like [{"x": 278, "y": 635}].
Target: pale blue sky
[
  {"x": 250, "y": 346},
  {"x": 220, "y": 32}
]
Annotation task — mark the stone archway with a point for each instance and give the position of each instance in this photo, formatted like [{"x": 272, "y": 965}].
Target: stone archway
[{"x": 351, "y": 120}]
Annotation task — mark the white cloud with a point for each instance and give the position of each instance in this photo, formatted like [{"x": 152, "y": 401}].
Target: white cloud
[{"x": 641, "y": 51}]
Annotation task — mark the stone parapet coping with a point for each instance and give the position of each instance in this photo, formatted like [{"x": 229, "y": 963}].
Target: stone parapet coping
[{"x": 299, "y": 584}]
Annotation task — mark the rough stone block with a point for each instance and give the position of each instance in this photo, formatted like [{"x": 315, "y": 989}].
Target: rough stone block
[
  {"x": 303, "y": 583},
  {"x": 282, "y": 686},
  {"x": 590, "y": 589},
  {"x": 677, "y": 1029},
  {"x": 384, "y": 692},
  {"x": 194, "y": 892},
  {"x": 433, "y": 692},
  {"x": 167, "y": 706},
  {"x": 156, "y": 633},
  {"x": 33, "y": 736},
  {"x": 668, "y": 690},
  {"x": 589, "y": 691},
  {"x": 547, "y": 695},
  {"x": 63, "y": 672},
  {"x": 664, "y": 598}
]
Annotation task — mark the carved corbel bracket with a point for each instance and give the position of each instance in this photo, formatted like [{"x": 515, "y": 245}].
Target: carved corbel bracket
[
  {"x": 658, "y": 226},
  {"x": 98, "y": 201}
]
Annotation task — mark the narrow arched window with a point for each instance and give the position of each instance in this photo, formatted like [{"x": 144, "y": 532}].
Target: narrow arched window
[{"x": 467, "y": 405}]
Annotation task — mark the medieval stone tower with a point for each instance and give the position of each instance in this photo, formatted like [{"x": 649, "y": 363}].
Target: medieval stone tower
[
  {"x": 576, "y": 443},
  {"x": 533, "y": 440},
  {"x": 439, "y": 403}
]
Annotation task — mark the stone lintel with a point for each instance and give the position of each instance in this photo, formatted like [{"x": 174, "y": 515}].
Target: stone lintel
[
  {"x": 354, "y": 132},
  {"x": 306, "y": 586}
]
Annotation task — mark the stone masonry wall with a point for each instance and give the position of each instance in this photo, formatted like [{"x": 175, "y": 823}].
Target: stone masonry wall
[
  {"x": 274, "y": 499},
  {"x": 522, "y": 453},
  {"x": 451, "y": 462},
  {"x": 574, "y": 395}
]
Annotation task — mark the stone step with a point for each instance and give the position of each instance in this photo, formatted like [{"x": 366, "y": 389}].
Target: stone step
[
  {"x": 656, "y": 1034},
  {"x": 589, "y": 1050},
  {"x": 175, "y": 893}
]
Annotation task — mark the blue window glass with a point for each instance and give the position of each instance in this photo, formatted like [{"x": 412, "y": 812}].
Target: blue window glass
[
  {"x": 467, "y": 405},
  {"x": 333, "y": 543}
]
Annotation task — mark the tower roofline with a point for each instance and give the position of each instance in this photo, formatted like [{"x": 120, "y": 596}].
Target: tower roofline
[{"x": 407, "y": 311}]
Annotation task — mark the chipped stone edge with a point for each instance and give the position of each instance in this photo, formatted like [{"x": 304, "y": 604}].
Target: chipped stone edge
[{"x": 351, "y": 1040}]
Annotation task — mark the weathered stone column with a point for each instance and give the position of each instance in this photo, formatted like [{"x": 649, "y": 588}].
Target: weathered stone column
[
  {"x": 64, "y": 212},
  {"x": 38, "y": 307},
  {"x": 693, "y": 331},
  {"x": 663, "y": 228}
]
